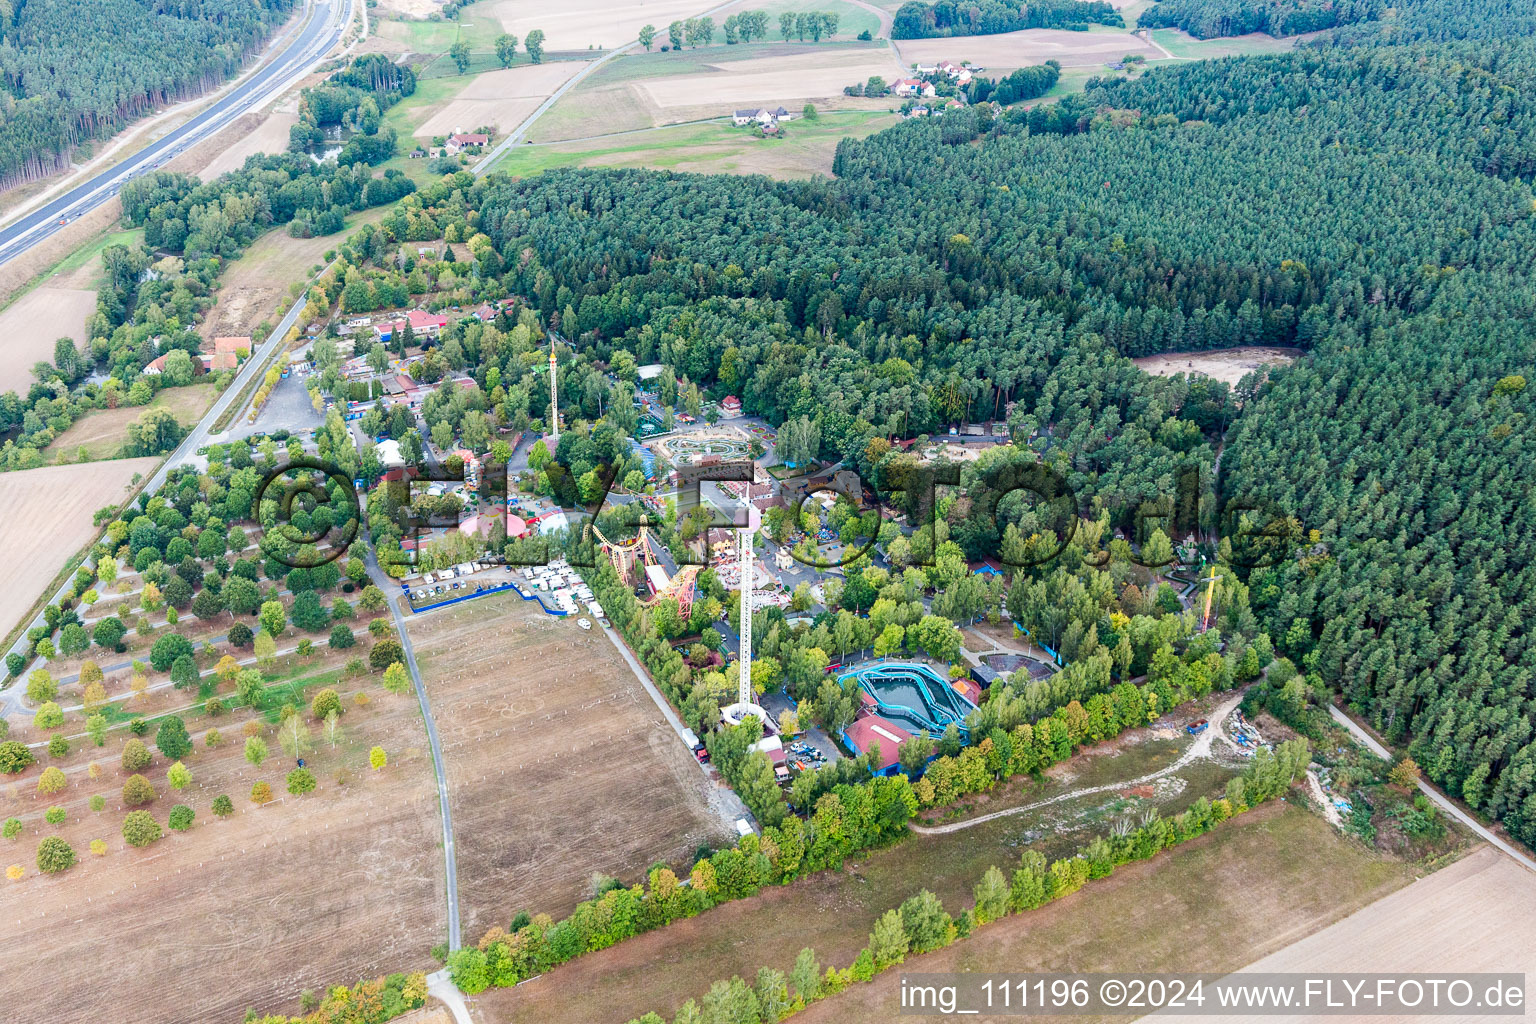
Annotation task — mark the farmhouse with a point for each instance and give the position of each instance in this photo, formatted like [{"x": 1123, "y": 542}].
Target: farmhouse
[
  {"x": 464, "y": 140},
  {"x": 912, "y": 87},
  {"x": 762, "y": 116},
  {"x": 227, "y": 353}
]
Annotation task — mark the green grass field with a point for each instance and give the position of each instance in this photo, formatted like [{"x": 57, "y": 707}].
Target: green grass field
[
  {"x": 437, "y": 36},
  {"x": 709, "y": 147},
  {"x": 1181, "y": 44}
]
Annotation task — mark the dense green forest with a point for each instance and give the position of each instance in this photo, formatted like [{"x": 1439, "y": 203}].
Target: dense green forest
[
  {"x": 1350, "y": 21},
  {"x": 919, "y": 20},
  {"x": 77, "y": 70},
  {"x": 1207, "y": 19},
  {"x": 1370, "y": 205}
]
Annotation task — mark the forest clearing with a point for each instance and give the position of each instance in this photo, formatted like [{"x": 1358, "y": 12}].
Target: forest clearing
[
  {"x": 1228, "y": 365},
  {"x": 102, "y": 432},
  {"x": 713, "y": 148},
  {"x": 559, "y": 765}
]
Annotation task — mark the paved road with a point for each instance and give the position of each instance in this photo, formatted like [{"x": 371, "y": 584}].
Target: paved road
[
  {"x": 384, "y": 583},
  {"x": 1434, "y": 794},
  {"x": 326, "y": 21}
]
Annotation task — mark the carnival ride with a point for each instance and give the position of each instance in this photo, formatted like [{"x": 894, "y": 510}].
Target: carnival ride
[{"x": 635, "y": 562}]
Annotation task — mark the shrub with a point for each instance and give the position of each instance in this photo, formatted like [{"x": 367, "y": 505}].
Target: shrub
[
  {"x": 326, "y": 701},
  {"x": 51, "y": 781},
  {"x": 341, "y": 637},
  {"x": 58, "y": 746},
  {"x": 49, "y": 716},
  {"x": 240, "y": 635},
  {"x": 11, "y": 829},
  {"x": 385, "y": 653},
  {"x": 223, "y": 806},
  {"x": 136, "y": 755},
  {"x": 98, "y": 802},
  {"x": 181, "y": 817},
  {"x": 54, "y": 815},
  {"x": 261, "y": 793},
  {"x": 99, "y": 847}
]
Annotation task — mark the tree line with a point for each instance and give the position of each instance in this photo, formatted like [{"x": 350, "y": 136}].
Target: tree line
[{"x": 917, "y": 19}]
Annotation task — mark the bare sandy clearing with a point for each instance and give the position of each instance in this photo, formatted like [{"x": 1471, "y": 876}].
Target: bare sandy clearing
[
  {"x": 1481, "y": 913},
  {"x": 578, "y": 24},
  {"x": 47, "y": 519},
  {"x": 768, "y": 80},
  {"x": 499, "y": 98},
  {"x": 31, "y": 325},
  {"x": 262, "y": 134},
  {"x": 1230, "y": 365},
  {"x": 1009, "y": 50}
]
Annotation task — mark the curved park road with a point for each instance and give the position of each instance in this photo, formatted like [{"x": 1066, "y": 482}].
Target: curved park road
[
  {"x": 1440, "y": 799},
  {"x": 1198, "y": 750}
]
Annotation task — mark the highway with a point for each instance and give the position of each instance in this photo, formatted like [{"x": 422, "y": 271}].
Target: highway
[{"x": 322, "y": 29}]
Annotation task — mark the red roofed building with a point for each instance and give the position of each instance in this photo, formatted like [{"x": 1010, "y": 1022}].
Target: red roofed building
[
  {"x": 461, "y": 140},
  {"x": 911, "y": 87},
  {"x": 730, "y": 407},
  {"x": 423, "y": 324},
  {"x": 870, "y": 729},
  {"x": 226, "y": 353}
]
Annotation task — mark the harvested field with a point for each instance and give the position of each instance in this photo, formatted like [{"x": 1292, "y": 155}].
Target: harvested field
[
  {"x": 790, "y": 80},
  {"x": 499, "y": 98},
  {"x": 30, "y": 326},
  {"x": 559, "y": 765},
  {"x": 1211, "y": 904},
  {"x": 257, "y": 133},
  {"x": 102, "y": 432},
  {"x": 1009, "y": 50},
  {"x": 48, "y": 519},
  {"x": 1480, "y": 910},
  {"x": 341, "y": 884},
  {"x": 579, "y": 24},
  {"x": 1229, "y": 364}
]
